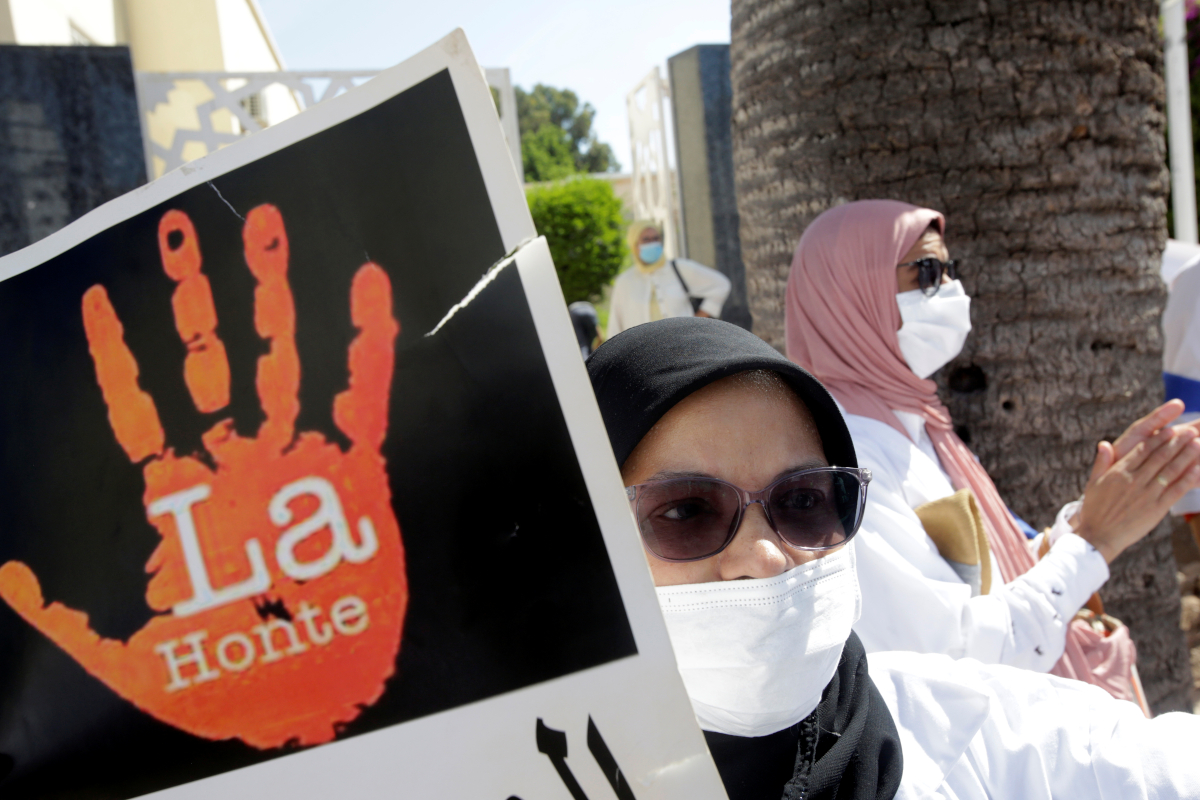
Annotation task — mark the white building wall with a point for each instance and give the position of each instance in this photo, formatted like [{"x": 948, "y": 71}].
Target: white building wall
[
  {"x": 39, "y": 23},
  {"x": 246, "y": 47},
  {"x": 50, "y": 21},
  {"x": 243, "y": 44},
  {"x": 95, "y": 19}
]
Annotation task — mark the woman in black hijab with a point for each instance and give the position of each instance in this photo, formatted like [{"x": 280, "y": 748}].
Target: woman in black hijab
[{"x": 707, "y": 421}]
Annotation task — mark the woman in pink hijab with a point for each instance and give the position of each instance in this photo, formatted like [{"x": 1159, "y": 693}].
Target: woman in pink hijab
[{"x": 873, "y": 309}]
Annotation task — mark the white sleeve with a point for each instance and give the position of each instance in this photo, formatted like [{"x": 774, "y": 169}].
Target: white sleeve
[
  {"x": 1030, "y": 736},
  {"x": 708, "y": 283},
  {"x": 913, "y": 600}
]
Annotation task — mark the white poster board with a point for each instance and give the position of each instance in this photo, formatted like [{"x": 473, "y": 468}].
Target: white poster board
[{"x": 353, "y": 527}]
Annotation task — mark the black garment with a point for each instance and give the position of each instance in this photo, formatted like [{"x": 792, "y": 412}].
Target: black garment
[
  {"x": 847, "y": 749},
  {"x": 639, "y": 374},
  {"x": 586, "y": 323}
]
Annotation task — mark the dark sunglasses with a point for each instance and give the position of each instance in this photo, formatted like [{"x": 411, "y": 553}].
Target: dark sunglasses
[
  {"x": 688, "y": 519},
  {"x": 930, "y": 271}
]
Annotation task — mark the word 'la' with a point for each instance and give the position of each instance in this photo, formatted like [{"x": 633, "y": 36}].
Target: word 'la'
[{"x": 329, "y": 514}]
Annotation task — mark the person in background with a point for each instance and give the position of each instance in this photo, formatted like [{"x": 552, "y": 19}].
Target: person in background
[
  {"x": 744, "y": 485},
  {"x": 874, "y": 309},
  {"x": 655, "y": 288},
  {"x": 587, "y": 326}
]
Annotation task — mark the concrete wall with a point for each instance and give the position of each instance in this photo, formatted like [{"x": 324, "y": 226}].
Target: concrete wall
[
  {"x": 177, "y": 36},
  {"x": 701, "y": 102}
]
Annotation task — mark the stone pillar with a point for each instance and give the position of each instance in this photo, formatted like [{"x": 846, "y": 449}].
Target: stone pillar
[
  {"x": 70, "y": 138},
  {"x": 701, "y": 104}
]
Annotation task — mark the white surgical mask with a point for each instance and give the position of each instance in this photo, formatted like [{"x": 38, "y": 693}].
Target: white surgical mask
[
  {"x": 933, "y": 329},
  {"x": 756, "y": 654}
]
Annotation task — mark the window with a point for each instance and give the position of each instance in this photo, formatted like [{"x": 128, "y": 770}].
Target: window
[{"x": 256, "y": 108}]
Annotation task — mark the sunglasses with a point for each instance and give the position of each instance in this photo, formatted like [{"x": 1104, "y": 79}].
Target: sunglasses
[
  {"x": 930, "y": 271},
  {"x": 689, "y": 519}
]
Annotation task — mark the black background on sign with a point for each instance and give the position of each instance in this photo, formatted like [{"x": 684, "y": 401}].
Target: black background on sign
[{"x": 509, "y": 580}]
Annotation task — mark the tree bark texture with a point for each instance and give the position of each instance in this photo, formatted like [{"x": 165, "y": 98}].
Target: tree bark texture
[{"x": 1037, "y": 127}]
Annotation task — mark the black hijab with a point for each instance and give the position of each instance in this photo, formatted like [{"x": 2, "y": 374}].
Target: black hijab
[
  {"x": 640, "y": 374},
  {"x": 848, "y": 747}
]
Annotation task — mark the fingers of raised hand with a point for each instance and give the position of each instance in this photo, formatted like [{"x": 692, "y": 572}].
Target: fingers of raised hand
[
  {"x": 1189, "y": 479},
  {"x": 1104, "y": 460},
  {"x": 360, "y": 412},
  {"x": 1185, "y": 457},
  {"x": 1147, "y": 426},
  {"x": 131, "y": 411},
  {"x": 1136, "y": 456},
  {"x": 206, "y": 368},
  {"x": 1176, "y": 444},
  {"x": 266, "y": 249}
]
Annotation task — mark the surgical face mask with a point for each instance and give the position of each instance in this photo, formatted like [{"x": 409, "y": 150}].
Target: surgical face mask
[
  {"x": 933, "y": 329},
  {"x": 757, "y": 654},
  {"x": 650, "y": 252}
]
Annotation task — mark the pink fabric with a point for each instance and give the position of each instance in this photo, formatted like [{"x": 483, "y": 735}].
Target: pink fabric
[
  {"x": 841, "y": 325},
  {"x": 1109, "y": 659}
]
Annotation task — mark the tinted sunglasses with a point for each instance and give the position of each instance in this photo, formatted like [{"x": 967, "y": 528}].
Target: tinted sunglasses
[
  {"x": 688, "y": 519},
  {"x": 930, "y": 271}
]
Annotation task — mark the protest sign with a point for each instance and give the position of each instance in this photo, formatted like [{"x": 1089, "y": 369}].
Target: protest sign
[{"x": 305, "y": 493}]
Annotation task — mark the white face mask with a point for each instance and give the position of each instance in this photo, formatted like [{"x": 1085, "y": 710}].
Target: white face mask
[
  {"x": 934, "y": 328},
  {"x": 755, "y": 655}
]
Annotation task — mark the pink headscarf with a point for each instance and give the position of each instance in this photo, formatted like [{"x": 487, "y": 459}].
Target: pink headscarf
[{"x": 841, "y": 325}]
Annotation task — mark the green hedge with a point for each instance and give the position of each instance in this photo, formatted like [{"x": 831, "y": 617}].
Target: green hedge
[{"x": 582, "y": 221}]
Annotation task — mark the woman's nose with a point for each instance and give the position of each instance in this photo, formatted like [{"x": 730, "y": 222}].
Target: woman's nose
[{"x": 756, "y": 550}]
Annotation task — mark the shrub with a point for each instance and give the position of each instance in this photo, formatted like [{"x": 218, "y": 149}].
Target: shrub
[{"x": 582, "y": 222}]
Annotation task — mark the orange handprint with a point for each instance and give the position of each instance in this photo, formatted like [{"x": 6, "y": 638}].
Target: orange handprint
[{"x": 280, "y": 577}]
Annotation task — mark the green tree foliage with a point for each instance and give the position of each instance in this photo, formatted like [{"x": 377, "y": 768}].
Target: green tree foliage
[
  {"x": 547, "y": 156},
  {"x": 582, "y": 222},
  {"x": 556, "y": 135}
]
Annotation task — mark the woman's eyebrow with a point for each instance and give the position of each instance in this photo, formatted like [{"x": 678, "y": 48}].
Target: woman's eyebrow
[
  {"x": 812, "y": 463},
  {"x": 667, "y": 474}
]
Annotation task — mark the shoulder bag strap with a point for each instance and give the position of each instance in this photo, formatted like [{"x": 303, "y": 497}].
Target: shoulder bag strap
[{"x": 695, "y": 301}]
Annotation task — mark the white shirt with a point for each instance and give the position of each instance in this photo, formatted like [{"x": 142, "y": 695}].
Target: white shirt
[
  {"x": 914, "y": 600},
  {"x": 973, "y": 731},
  {"x": 630, "y": 303}
]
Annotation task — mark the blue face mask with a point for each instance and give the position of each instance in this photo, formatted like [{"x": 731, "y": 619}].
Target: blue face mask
[{"x": 650, "y": 252}]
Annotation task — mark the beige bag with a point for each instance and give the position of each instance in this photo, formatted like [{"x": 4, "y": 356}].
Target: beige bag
[{"x": 956, "y": 527}]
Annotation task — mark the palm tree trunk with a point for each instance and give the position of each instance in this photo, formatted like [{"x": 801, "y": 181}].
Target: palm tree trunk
[{"x": 1037, "y": 128}]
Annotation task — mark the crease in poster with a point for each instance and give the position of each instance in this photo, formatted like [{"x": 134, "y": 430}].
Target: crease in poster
[{"x": 285, "y": 518}]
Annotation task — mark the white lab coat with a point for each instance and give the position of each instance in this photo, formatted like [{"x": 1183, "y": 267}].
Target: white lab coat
[
  {"x": 912, "y": 598},
  {"x": 973, "y": 731},
  {"x": 630, "y": 303}
]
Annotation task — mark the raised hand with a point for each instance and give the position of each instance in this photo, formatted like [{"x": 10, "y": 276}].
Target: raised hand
[
  {"x": 280, "y": 577},
  {"x": 1135, "y": 480},
  {"x": 1156, "y": 423}
]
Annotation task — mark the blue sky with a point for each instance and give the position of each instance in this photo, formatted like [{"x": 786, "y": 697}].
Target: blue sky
[{"x": 598, "y": 49}]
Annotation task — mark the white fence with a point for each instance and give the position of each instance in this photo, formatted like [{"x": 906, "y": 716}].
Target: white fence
[{"x": 186, "y": 115}]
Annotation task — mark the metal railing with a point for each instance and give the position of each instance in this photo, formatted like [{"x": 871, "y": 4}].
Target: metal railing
[
  {"x": 189, "y": 114},
  {"x": 186, "y": 115}
]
